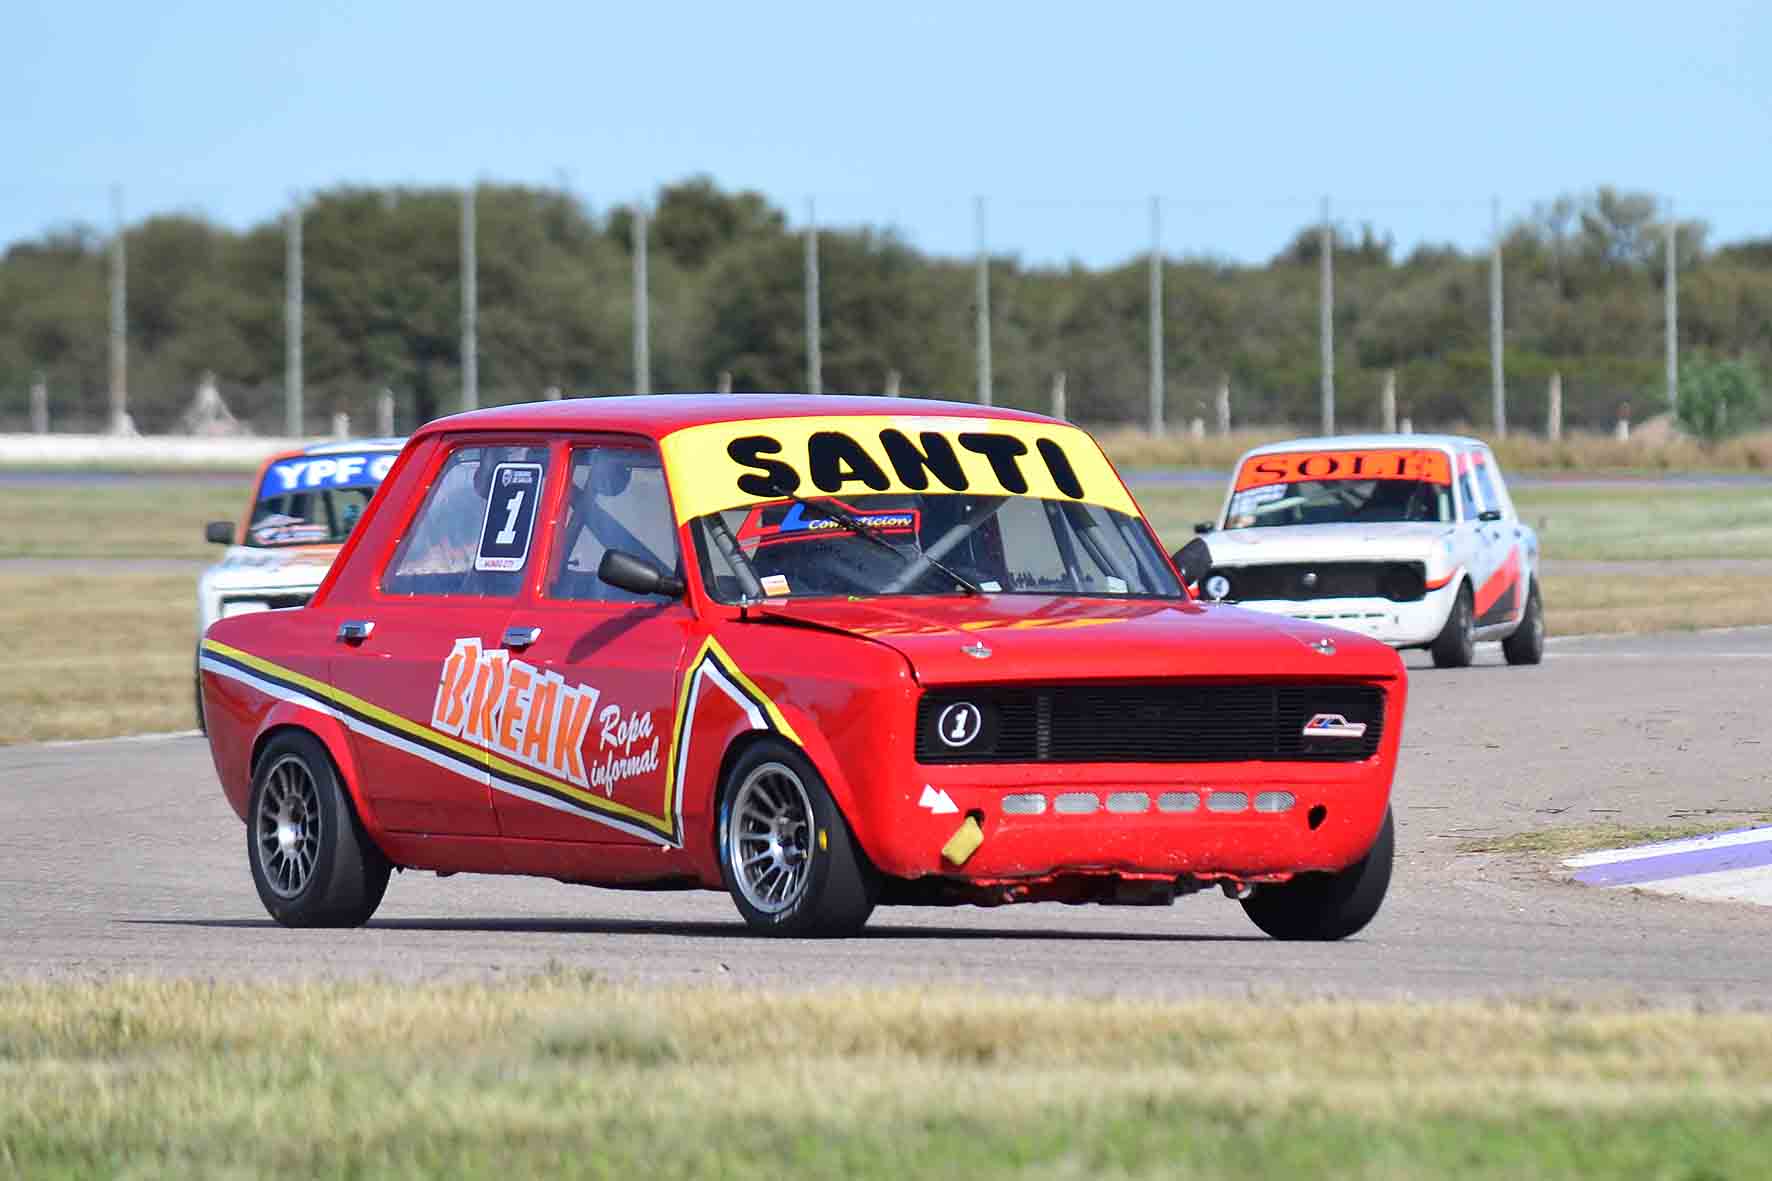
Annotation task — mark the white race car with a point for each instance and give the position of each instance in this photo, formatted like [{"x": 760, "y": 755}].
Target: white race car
[
  {"x": 1410, "y": 539},
  {"x": 304, "y": 505}
]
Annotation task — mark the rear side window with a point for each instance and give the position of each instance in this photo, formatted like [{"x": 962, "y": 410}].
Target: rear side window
[{"x": 474, "y": 534}]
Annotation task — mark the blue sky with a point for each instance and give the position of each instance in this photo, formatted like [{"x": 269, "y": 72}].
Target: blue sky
[{"x": 1066, "y": 118}]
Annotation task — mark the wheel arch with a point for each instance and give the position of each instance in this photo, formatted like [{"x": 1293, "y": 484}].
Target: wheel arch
[{"x": 334, "y": 739}]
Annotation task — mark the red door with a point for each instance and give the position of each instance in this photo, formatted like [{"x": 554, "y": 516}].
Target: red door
[
  {"x": 597, "y": 771},
  {"x": 417, "y": 776},
  {"x": 601, "y": 681},
  {"x": 420, "y": 653}
]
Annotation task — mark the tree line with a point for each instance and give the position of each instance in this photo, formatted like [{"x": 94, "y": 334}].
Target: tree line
[{"x": 382, "y": 283}]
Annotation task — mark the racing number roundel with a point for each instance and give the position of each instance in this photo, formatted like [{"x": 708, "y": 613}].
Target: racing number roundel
[{"x": 959, "y": 724}]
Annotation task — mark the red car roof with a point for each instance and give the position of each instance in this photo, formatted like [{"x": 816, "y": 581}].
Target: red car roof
[{"x": 657, "y": 415}]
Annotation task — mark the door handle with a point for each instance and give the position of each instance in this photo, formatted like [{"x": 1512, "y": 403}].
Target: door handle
[
  {"x": 355, "y": 631},
  {"x": 521, "y": 637}
]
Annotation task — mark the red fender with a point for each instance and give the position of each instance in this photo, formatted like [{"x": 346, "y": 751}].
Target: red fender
[{"x": 335, "y": 738}]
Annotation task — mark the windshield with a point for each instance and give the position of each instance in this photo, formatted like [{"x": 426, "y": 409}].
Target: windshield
[
  {"x": 998, "y": 544},
  {"x": 1341, "y": 487},
  {"x": 1335, "y": 502},
  {"x": 315, "y": 499}
]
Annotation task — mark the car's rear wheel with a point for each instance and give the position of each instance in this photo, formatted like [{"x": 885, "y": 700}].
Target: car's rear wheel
[
  {"x": 1456, "y": 644},
  {"x": 786, "y": 853},
  {"x": 1526, "y": 645},
  {"x": 1326, "y": 906},
  {"x": 313, "y": 864}
]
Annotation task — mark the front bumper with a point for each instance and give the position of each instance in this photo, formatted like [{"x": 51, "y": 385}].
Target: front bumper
[
  {"x": 1401, "y": 625},
  {"x": 1244, "y": 821}
]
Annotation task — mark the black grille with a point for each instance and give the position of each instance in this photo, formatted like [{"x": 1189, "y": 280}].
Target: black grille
[
  {"x": 274, "y": 600},
  {"x": 1175, "y": 723},
  {"x": 1401, "y": 582}
]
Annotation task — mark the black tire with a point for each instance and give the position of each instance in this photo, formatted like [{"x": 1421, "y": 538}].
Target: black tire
[
  {"x": 313, "y": 864},
  {"x": 827, "y": 885},
  {"x": 1456, "y": 645},
  {"x": 1327, "y": 906},
  {"x": 1526, "y": 644}
]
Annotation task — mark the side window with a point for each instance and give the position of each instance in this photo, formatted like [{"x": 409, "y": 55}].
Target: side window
[
  {"x": 616, "y": 500},
  {"x": 1484, "y": 485},
  {"x": 472, "y": 536},
  {"x": 1467, "y": 491}
]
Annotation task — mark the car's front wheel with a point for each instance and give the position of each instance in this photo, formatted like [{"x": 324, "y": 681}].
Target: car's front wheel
[
  {"x": 786, "y": 853},
  {"x": 1456, "y": 644},
  {"x": 313, "y": 864},
  {"x": 1526, "y": 645},
  {"x": 1326, "y": 906}
]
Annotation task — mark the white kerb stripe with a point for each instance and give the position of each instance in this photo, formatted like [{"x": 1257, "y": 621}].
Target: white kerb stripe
[{"x": 1722, "y": 840}]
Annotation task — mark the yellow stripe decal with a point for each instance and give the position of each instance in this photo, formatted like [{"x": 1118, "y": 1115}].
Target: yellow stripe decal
[{"x": 665, "y": 826}]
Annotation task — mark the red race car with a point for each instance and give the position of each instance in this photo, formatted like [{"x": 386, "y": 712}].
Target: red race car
[{"x": 822, "y": 653}]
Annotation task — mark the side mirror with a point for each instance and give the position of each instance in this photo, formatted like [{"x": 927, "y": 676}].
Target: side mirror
[
  {"x": 1204, "y": 526},
  {"x": 219, "y": 532},
  {"x": 638, "y": 575},
  {"x": 1193, "y": 560},
  {"x": 1489, "y": 514}
]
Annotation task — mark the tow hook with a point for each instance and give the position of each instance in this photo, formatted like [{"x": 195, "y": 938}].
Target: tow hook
[
  {"x": 1236, "y": 890},
  {"x": 965, "y": 841}
]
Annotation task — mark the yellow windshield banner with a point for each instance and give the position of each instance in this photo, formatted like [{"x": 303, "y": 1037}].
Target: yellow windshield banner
[{"x": 723, "y": 465}]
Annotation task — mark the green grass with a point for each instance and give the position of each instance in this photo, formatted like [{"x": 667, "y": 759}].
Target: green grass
[
  {"x": 1644, "y": 522},
  {"x": 149, "y": 518},
  {"x": 561, "y": 1075},
  {"x": 1627, "y": 522}
]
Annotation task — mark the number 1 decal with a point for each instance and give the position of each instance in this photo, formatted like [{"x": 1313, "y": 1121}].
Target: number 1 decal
[
  {"x": 515, "y": 488},
  {"x": 509, "y": 533}
]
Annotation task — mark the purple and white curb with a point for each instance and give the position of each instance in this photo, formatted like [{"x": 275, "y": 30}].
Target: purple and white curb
[{"x": 1725, "y": 866}]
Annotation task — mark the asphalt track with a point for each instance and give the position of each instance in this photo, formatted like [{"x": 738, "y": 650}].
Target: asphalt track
[{"x": 121, "y": 857}]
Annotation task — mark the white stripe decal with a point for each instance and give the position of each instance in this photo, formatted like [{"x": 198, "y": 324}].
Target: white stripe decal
[{"x": 466, "y": 769}]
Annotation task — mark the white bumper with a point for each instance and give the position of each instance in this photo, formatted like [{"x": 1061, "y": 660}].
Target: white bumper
[{"x": 1401, "y": 625}]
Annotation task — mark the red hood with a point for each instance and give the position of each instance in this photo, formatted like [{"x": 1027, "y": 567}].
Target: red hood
[{"x": 1043, "y": 638}]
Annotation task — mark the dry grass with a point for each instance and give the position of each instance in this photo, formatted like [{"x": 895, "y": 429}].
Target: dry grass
[
  {"x": 1648, "y": 453},
  {"x": 1580, "y": 604},
  {"x": 1568, "y": 841},
  {"x": 139, "y": 518},
  {"x": 90, "y": 656},
  {"x": 561, "y": 1075}
]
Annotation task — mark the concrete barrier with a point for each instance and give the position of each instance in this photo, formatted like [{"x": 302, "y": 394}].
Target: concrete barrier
[{"x": 172, "y": 451}]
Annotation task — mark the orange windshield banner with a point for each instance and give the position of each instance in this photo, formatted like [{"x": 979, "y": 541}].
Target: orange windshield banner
[{"x": 1291, "y": 467}]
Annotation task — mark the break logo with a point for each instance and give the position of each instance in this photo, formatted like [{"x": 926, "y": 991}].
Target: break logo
[{"x": 533, "y": 717}]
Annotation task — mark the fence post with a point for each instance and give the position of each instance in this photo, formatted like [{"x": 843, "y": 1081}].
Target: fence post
[
  {"x": 1058, "y": 408},
  {"x": 893, "y": 379},
  {"x": 39, "y": 405},
  {"x": 1387, "y": 401},
  {"x": 341, "y": 425},
  {"x": 1196, "y": 428},
  {"x": 1622, "y": 431},
  {"x": 551, "y": 394},
  {"x": 725, "y": 383},
  {"x": 384, "y": 412},
  {"x": 1224, "y": 405},
  {"x": 1407, "y": 426},
  {"x": 1326, "y": 318},
  {"x": 1553, "y": 427}
]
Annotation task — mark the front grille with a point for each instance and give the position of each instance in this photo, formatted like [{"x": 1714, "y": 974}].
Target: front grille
[
  {"x": 1164, "y": 723},
  {"x": 1400, "y": 582}
]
